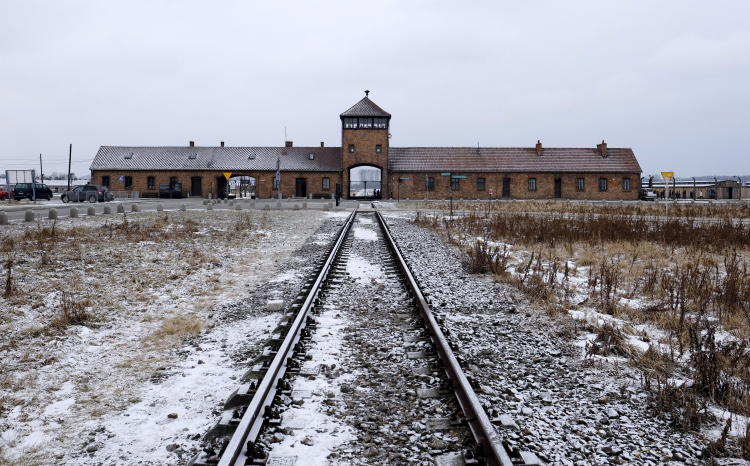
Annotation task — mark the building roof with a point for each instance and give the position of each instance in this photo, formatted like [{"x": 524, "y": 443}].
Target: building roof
[
  {"x": 511, "y": 159},
  {"x": 217, "y": 158},
  {"x": 367, "y": 108}
]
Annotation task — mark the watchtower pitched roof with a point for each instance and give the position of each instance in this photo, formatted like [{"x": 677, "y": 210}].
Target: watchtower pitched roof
[{"x": 365, "y": 108}]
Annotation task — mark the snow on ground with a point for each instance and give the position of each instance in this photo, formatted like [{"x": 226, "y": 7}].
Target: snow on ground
[{"x": 171, "y": 327}]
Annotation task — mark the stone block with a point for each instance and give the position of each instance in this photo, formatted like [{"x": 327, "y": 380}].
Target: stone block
[
  {"x": 73, "y": 212},
  {"x": 296, "y": 206},
  {"x": 267, "y": 207},
  {"x": 28, "y": 216},
  {"x": 275, "y": 304},
  {"x": 205, "y": 201},
  {"x": 120, "y": 209},
  {"x": 91, "y": 211},
  {"x": 3, "y": 218},
  {"x": 237, "y": 207},
  {"x": 135, "y": 208},
  {"x": 183, "y": 207},
  {"x": 107, "y": 210},
  {"x": 210, "y": 207},
  {"x": 159, "y": 208},
  {"x": 231, "y": 203},
  {"x": 304, "y": 204},
  {"x": 52, "y": 214}
]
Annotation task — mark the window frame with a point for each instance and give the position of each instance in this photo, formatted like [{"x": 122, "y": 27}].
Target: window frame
[
  {"x": 378, "y": 149},
  {"x": 580, "y": 184},
  {"x": 532, "y": 184},
  {"x": 151, "y": 182},
  {"x": 626, "y": 184},
  {"x": 455, "y": 184},
  {"x": 105, "y": 181},
  {"x": 326, "y": 183},
  {"x": 602, "y": 184},
  {"x": 128, "y": 180},
  {"x": 351, "y": 148},
  {"x": 430, "y": 183},
  {"x": 481, "y": 183}
]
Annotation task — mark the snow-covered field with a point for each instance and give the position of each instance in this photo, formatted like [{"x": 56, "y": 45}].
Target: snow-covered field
[{"x": 174, "y": 305}]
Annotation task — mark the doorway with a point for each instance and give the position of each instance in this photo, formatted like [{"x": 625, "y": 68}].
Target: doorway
[
  {"x": 301, "y": 187},
  {"x": 558, "y": 188},
  {"x": 506, "y": 187},
  {"x": 365, "y": 182},
  {"x": 195, "y": 186}
]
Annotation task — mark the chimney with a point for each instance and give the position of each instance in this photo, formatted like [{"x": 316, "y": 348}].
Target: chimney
[
  {"x": 222, "y": 143},
  {"x": 192, "y": 143},
  {"x": 602, "y": 148},
  {"x": 288, "y": 144},
  {"x": 538, "y": 147},
  {"x": 321, "y": 144}
]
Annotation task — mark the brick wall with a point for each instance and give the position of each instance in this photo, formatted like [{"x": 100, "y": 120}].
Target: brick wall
[
  {"x": 365, "y": 142},
  {"x": 414, "y": 187},
  {"x": 210, "y": 181}
]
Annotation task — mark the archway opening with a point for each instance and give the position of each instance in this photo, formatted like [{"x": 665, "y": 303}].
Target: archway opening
[
  {"x": 365, "y": 182},
  {"x": 237, "y": 187}
]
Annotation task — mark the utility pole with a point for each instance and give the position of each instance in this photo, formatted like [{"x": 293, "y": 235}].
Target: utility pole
[
  {"x": 278, "y": 170},
  {"x": 70, "y": 159},
  {"x": 41, "y": 170}
]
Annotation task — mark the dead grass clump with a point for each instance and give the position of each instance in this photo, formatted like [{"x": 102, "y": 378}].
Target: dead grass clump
[
  {"x": 72, "y": 311},
  {"x": 610, "y": 341},
  {"x": 681, "y": 405},
  {"x": 483, "y": 258},
  {"x": 178, "y": 326}
]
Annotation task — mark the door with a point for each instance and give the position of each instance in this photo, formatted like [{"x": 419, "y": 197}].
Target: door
[
  {"x": 221, "y": 187},
  {"x": 301, "y": 190},
  {"x": 506, "y": 187},
  {"x": 195, "y": 186},
  {"x": 730, "y": 193},
  {"x": 558, "y": 188}
]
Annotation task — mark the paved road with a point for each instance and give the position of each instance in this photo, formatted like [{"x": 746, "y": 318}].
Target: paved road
[{"x": 41, "y": 209}]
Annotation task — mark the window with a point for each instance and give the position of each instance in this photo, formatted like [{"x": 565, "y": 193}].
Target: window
[
  {"x": 455, "y": 184},
  {"x": 326, "y": 183},
  {"x": 365, "y": 123},
  {"x": 602, "y": 184},
  {"x": 351, "y": 148},
  {"x": 350, "y": 123},
  {"x": 378, "y": 148},
  {"x": 312, "y": 156},
  {"x": 128, "y": 182},
  {"x": 275, "y": 183},
  {"x": 151, "y": 182},
  {"x": 430, "y": 183},
  {"x": 580, "y": 186},
  {"x": 380, "y": 123},
  {"x": 626, "y": 184},
  {"x": 105, "y": 181},
  {"x": 532, "y": 184},
  {"x": 480, "y": 184}
]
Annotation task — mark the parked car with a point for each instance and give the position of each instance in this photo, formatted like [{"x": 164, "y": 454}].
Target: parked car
[
  {"x": 89, "y": 192},
  {"x": 3, "y": 194},
  {"x": 26, "y": 191},
  {"x": 647, "y": 195}
]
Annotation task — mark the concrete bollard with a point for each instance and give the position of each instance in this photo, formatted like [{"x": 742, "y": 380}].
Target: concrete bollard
[
  {"x": 73, "y": 212},
  {"x": 120, "y": 209},
  {"x": 231, "y": 203},
  {"x": 91, "y": 211},
  {"x": 252, "y": 203},
  {"x": 310, "y": 195},
  {"x": 296, "y": 206},
  {"x": 205, "y": 201},
  {"x": 275, "y": 305},
  {"x": 210, "y": 207},
  {"x": 159, "y": 208},
  {"x": 278, "y": 204},
  {"x": 3, "y": 218},
  {"x": 326, "y": 208},
  {"x": 135, "y": 208},
  {"x": 330, "y": 205},
  {"x": 107, "y": 210},
  {"x": 28, "y": 216},
  {"x": 213, "y": 201},
  {"x": 267, "y": 207},
  {"x": 52, "y": 214},
  {"x": 183, "y": 207},
  {"x": 237, "y": 207},
  {"x": 304, "y": 205}
]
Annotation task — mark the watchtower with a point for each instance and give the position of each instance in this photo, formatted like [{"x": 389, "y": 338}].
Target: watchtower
[{"x": 364, "y": 144}]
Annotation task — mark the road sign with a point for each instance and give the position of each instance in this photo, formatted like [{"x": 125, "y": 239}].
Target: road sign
[
  {"x": 459, "y": 176},
  {"x": 445, "y": 174},
  {"x": 122, "y": 178},
  {"x": 491, "y": 192},
  {"x": 667, "y": 176},
  {"x": 227, "y": 175},
  {"x": 402, "y": 178}
]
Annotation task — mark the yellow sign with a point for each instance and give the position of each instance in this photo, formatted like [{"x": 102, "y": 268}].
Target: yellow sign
[
  {"x": 227, "y": 175},
  {"x": 667, "y": 176}
]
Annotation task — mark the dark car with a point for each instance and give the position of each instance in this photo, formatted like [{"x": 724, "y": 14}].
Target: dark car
[
  {"x": 89, "y": 192},
  {"x": 27, "y": 191}
]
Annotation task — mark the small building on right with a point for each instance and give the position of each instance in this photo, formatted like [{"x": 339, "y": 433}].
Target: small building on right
[{"x": 689, "y": 189}]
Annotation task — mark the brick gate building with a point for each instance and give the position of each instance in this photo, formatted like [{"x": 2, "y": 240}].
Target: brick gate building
[{"x": 365, "y": 166}]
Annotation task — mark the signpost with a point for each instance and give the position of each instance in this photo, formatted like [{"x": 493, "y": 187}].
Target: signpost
[
  {"x": 490, "y": 202},
  {"x": 278, "y": 175},
  {"x": 451, "y": 192},
  {"x": 667, "y": 176}
]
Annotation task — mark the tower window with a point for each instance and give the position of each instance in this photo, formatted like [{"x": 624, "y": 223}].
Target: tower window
[
  {"x": 351, "y": 148},
  {"x": 365, "y": 123},
  {"x": 378, "y": 148},
  {"x": 380, "y": 123},
  {"x": 350, "y": 123}
]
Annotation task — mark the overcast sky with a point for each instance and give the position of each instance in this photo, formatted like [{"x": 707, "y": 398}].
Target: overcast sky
[{"x": 670, "y": 79}]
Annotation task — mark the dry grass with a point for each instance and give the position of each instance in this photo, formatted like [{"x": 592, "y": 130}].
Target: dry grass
[{"x": 178, "y": 326}]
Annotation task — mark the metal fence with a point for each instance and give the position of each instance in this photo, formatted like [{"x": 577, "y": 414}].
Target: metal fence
[{"x": 125, "y": 195}]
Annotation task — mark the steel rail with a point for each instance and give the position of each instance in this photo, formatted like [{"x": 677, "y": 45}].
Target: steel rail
[
  {"x": 481, "y": 427},
  {"x": 252, "y": 421}
]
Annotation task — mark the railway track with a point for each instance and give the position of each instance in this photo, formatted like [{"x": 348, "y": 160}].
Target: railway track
[{"x": 361, "y": 355}]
